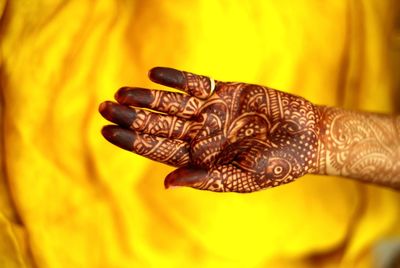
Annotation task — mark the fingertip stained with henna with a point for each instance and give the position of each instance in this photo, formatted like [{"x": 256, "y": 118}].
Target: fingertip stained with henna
[
  {"x": 118, "y": 114},
  {"x": 168, "y": 77},
  {"x": 185, "y": 176},
  {"x": 120, "y": 137},
  {"x": 134, "y": 96}
]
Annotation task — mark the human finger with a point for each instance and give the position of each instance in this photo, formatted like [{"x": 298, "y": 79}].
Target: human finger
[
  {"x": 147, "y": 122},
  {"x": 172, "y": 103},
  {"x": 168, "y": 151},
  {"x": 224, "y": 178},
  {"x": 199, "y": 86}
]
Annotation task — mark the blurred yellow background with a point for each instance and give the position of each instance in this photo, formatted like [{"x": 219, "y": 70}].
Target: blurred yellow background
[{"x": 68, "y": 198}]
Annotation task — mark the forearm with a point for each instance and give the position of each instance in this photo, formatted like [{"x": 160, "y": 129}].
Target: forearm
[{"x": 360, "y": 145}]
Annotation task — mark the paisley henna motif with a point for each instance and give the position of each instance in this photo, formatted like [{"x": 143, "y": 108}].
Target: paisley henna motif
[
  {"x": 363, "y": 146},
  {"x": 237, "y": 137}
]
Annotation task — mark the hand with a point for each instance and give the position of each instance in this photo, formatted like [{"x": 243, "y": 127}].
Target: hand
[{"x": 224, "y": 137}]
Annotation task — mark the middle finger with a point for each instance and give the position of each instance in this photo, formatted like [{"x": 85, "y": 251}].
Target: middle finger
[{"x": 147, "y": 122}]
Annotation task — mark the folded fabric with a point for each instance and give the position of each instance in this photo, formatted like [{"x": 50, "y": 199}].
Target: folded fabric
[{"x": 73, "y": 200}]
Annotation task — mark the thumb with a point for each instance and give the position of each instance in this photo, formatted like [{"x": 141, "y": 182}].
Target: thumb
[
  {"x": 187, "y": 176},
  {"x": 224, "y": 178}
]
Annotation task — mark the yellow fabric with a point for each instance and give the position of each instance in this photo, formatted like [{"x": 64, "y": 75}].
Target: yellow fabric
[{"x": 70, "y": 199}]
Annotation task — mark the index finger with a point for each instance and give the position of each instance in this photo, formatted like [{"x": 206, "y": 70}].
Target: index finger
[{"x": 199, "y": 86}]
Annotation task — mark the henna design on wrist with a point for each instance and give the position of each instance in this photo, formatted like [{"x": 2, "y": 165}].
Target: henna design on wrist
[{"x": 363, "y": 146}]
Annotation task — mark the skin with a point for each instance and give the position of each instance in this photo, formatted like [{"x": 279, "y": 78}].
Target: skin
[
  {"x": 238, "y": 137},
  {"x": 360, "y": 145}
]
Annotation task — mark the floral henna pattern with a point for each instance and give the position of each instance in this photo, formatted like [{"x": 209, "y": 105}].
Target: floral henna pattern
[
  {"x": 253, "y": 137},
  {"x": 363, "y": 146},
  {"x": 224, "y": 137}
]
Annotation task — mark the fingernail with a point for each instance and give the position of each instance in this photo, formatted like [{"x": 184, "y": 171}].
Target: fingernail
[
  {"x": 140, "y": 97},
  {"x": 185, "y": 176},
  {"x": 118, "y": 136},
  {"x": 102, "y": 106},
  {"x": 168, "y": 77},
  {"x": 118, "y": 114}
]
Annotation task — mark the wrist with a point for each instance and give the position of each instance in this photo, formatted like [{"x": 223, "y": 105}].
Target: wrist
[
  {"x": 359, "y": 145},
  {"x": 326, "y": 115}
]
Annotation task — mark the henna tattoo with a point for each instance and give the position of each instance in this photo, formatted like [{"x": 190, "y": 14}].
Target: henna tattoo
[
  {"x": 363, "y": 146},
  {"x": 196, "y": 85},
  {"x": 243, "y": 138},
  {"x": 168, "y": 151},
  {"x": 254, "y": 137},
  {"x": 172, "y": 152},
  {"x": 163, "y": 101}
]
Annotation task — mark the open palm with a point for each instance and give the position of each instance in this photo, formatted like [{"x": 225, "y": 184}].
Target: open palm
[{"x": 225, "y": 137}]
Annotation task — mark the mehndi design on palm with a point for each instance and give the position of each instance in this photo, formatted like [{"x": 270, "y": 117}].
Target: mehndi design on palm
[{"x": 235, "y": 137}]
